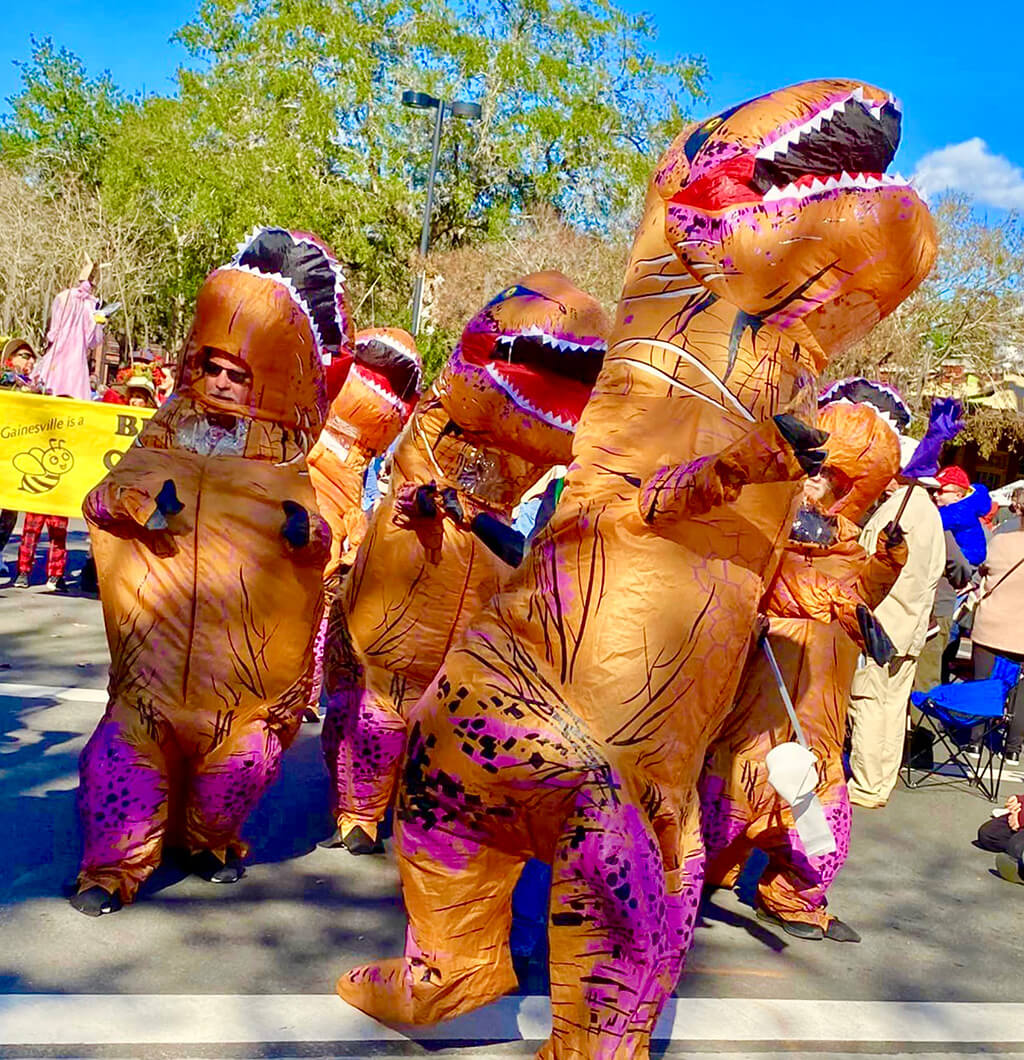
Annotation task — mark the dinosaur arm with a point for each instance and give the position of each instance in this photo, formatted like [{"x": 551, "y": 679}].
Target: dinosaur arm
[
  {"x": 878, "y": 573},
  {"x": 113, "y": 505},
  {"x": 800, "y": 591},
  {"x": 771, "y": 451}
]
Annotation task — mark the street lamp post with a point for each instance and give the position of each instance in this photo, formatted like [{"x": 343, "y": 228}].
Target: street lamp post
[{"x": 458, "y": 109}]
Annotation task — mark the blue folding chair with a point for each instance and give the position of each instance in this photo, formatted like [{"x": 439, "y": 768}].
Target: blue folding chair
[{"x": 954, "y": 714}]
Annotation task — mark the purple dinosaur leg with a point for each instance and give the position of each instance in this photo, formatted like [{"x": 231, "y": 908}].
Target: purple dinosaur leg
[
  {"x": 226, "y": 784},
  {"x": 795, "y": 886},
  {"x": 123, "y": 800}
]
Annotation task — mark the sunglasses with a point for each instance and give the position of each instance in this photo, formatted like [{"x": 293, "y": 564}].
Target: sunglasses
[{"x": 236, "y": 375}]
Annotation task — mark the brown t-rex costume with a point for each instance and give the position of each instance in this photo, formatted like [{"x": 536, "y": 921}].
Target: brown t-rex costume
[
  {"x": 571, "y": 719},
  {"x": 499, "y": 415},
  {"x": 824, "y": 576},
  {"x": 210, "y": 555}
]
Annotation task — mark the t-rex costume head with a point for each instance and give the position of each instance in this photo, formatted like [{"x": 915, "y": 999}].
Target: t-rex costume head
[
  {"x": 383, "y": 387},
  {"x": 372, "y": 407},
  {"x": 526, "y": 365},
  {"x": 571, "y": 719},
  {"x": 278, "y": 307},
  {"x": 864, "y": 451},
  {"x": 762, "y": 191}
]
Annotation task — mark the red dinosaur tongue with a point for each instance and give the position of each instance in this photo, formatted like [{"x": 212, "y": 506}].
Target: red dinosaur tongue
[
  {"x": 726, "y": 185},
  {"x": 555, "y": 399}
]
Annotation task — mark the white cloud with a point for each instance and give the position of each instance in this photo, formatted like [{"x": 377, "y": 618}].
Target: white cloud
[{"x": 971, "y": 168}]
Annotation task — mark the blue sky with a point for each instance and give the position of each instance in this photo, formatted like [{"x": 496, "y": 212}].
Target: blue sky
[{"x": 959, "y": 69}]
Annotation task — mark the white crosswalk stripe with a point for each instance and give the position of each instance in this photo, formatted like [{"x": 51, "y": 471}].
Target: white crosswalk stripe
[
  {"x": 182, "y": 1019},
  {"x": 61, "y": 692}
]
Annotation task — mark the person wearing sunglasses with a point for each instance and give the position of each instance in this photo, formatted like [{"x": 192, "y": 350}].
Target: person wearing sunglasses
[
  {"x": 216, "y": 430},
  {"x": 226, "y": 378},
  {"x": 210, "y": 552}
]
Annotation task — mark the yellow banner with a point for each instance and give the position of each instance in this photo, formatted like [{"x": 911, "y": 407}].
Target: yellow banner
[{"x": 54, "y": 450}]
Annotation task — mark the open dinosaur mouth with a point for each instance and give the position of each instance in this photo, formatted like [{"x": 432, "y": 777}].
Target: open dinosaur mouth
[
  {"x": 847, "y": 143},
  {"x": 547, "y": 375},
  {"x": 389, "y": 369}
]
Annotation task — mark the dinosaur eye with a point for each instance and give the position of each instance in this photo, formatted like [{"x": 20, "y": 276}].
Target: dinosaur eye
[
  {"x": 700, "y": 136},
  {"x": 510, "y": 292}
]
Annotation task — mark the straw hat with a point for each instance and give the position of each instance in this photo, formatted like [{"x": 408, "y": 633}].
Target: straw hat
[{"x": 141, "y": 382}]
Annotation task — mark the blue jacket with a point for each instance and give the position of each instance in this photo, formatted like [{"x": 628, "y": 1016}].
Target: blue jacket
[{"x": 964, "y": 520}]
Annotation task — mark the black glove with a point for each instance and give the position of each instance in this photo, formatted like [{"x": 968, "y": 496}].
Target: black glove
[
  {"x": 167, "y": 503},
  {"x": 450, "y": 504},
  {"x": 296, "y": 524},
  {"x": 876, "y": 640},
  {"x": 893, "y": 535},
  {"x": 504, "y": 541},
  {"x": 806, "y": 442},
  {"x": 426, "y": 503}
]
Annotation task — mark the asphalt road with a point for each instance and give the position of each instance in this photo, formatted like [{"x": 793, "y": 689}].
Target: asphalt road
[{"x": 941, "y": 931}]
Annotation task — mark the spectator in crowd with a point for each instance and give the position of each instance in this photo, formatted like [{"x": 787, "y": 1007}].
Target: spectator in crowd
[
  {"x": 962, "y": 506},
  {"x": 941, "y": 647},
  {"x": 76, "y": 329},
  {"x": 880, "y": 694},
  {"x": 141, "y": 392},
  {"x": 998, "y": 629},
  {"x": 1003, "y": 835},
  {"x": 165, "y": 386},
  {"x": 57, "y": 557},
  {"x": 18, "y": 360}
]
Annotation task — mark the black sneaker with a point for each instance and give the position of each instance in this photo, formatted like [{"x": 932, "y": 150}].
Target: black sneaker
[
  {"x": 21, "y": 582},
  {"x": 971, "y": 750},
  {"x": 797, "y": 928},
  {"x": 95, "y": 901},
  {"x": 58, "y": 584},
  {"x": 356, "y": 841},
  {"x": 1011, "y": 759},
  {"x": 207, "y": 866}
]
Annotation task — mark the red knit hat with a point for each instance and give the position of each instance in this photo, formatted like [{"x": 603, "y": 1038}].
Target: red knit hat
[{"x": 953, "y": 476}]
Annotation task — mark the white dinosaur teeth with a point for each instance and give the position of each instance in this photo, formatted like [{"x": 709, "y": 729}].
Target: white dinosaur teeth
[
  {"x": 819, "y": 185},
  {"x": 551, "y": 418},
  {"x": 377, "y": 388},
  {"x": 856, "y": 98}
]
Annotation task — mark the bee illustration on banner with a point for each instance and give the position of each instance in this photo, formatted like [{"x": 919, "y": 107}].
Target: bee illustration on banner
[{"x": 42, "y": 469}]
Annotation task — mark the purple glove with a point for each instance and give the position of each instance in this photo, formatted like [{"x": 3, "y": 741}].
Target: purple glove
[{"x": 945, "y": 422}]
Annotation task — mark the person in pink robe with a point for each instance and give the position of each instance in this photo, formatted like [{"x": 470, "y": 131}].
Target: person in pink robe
[{"x": 74, "y": 331}]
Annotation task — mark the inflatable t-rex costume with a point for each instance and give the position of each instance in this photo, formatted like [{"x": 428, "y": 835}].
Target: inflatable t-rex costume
[
  {"x": 817, "y": 657},
  {"x": 370, "y": 410},
  {"x": 571, "y": 720},
  {"x": 500, "y": 414},
  {"x": 210, "y": 554}
]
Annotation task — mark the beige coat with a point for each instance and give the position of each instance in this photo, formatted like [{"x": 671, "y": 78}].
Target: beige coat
[
  {"x": 997, "y": 623},
  {"x": 905, "y": 611}
]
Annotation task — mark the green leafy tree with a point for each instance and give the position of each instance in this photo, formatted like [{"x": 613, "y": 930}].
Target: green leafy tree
[
  {"x": 62, "y": 120},
  {"x": 289, "y": 112}
]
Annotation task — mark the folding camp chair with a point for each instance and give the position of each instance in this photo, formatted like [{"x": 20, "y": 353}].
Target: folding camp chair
[{"x": 953, "y": 715}]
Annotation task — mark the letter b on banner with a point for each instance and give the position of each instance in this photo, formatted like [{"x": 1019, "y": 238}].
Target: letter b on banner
[{"x": 127, "y": 426}]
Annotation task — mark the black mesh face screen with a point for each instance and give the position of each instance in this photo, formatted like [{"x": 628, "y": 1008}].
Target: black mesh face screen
[{"x": 305, "y": 266}]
